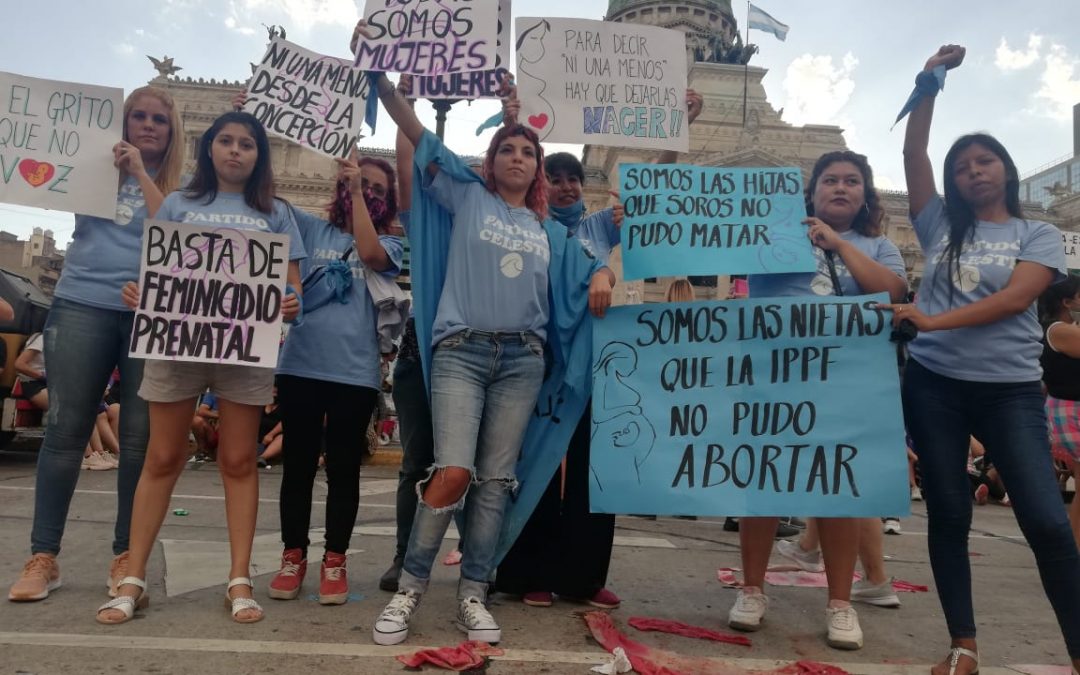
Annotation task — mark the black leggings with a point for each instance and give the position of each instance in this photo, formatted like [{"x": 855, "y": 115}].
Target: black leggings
[{"x": 346, "y": 409}]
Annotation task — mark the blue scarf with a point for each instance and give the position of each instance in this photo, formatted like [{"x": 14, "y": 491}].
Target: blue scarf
[
  {"x": 568, "y": 384},
  {"x": 570, "y": 216}
]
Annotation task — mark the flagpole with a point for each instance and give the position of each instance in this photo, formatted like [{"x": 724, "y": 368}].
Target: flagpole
[{"x": 746, "y": 66}]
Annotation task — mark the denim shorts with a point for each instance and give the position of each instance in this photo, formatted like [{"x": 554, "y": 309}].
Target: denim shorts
[{"x": 172, "y": 381}]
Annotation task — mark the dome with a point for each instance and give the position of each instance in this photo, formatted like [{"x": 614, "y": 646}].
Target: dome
[{"x": 720, "y": 6}]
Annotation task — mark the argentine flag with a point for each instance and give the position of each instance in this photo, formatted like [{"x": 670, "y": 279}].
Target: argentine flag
[{"x": 761, "y": 20}]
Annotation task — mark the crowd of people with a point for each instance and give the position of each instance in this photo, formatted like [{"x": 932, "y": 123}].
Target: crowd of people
[{"x": 485, "y": 335}]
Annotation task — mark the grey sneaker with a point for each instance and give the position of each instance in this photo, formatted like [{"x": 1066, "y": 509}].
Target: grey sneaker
[
  {"x": 843, "y": 628},
  {"x": 392, "y": 626},
  {"x": 808, "y": 561},
  {"x": 474, "y": 619},
  {"x": 881, "y": 595},
  {"x": 748, "y": 611}
]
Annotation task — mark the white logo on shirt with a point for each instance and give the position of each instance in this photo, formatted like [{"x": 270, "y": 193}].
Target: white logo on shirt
[
  {"x": 511, "y": 265},
  {"x": 966, "y": 279}
]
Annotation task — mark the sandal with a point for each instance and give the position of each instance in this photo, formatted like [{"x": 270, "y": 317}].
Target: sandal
[
  {"x": 237, "y": 605},
  {"x": 127, "y": 604},
  {"x": 954, "y": 658}
]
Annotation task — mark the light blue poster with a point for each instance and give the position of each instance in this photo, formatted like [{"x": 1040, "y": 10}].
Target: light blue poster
[
  {"x": 778, "y": 406},
  {"x": 683, "y": 219}
]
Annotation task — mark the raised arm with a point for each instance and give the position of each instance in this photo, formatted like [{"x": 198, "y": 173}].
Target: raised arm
[
  {"x": 366, "y": 239},
  {"x": 404, "y": 152},
  {"x": 917, "y": 168},
  {"x": 694, "y": 104}
]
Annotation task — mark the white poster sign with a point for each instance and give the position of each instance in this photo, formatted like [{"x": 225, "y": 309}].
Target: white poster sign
[
  {"x": 602, "y": 83},
  {"x": 310, "y": 99},
  {"x": 1071, "y": 240},
  {"x": 420, "y": 37},
  {"x": 210, "y": 294},
  {"x": 56, "y": 141}
]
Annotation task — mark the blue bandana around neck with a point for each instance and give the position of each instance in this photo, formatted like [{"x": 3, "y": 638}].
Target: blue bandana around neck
[{"x": 569, "y": 216}]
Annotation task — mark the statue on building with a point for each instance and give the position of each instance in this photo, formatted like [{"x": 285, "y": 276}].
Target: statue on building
[
  {"x": 164, "y": 66},
  {"x": 717, "y": 50},
  {"x": 274, "y": 31}
]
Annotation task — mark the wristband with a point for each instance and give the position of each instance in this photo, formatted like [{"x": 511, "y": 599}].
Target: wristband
[{"x": 927, "y": 84}]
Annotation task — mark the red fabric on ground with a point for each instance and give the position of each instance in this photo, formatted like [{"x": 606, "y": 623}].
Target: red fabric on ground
[
  {"x": 649, "y": 661},
  {"x": 465, "y": 656},
  {"x": 646, "y": 623}
]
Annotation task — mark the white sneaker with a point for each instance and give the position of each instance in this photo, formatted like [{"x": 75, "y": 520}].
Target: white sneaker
[
  {"x": 880, "y": 595},
  {"x": 392, "y": 626},
  {"x": 844, "y": 631},
  {"x": 748, "y": 611},
  {"x": 95, "y": 462},
  {"x": 474, "y": 619},
  {"x": 808, "y": 561},
  {"x": 916, "y": 493},
  {"x": 891, "y": 526}
]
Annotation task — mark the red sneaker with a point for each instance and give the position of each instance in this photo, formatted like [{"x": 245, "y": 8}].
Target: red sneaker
[
  {"x": 538, "y": 599},
  {"x": 605, "y": 599},
  {"x": 287, "y": 582},
  {"x": 333, "y": 581}
]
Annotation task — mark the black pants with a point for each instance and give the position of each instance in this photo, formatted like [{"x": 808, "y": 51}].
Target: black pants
[
  {"x": 563, "y": 548},
  {"x": 346, "y": 409}
]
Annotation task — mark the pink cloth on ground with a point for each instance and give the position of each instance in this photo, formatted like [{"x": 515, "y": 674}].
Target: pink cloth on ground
[
  {"x": 465, "y": 656},
  {"x": 649, "y": 661},
  {"x": 645, "y": 623}
]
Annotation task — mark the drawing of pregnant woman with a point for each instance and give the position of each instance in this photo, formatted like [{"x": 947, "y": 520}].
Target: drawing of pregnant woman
[
  {"x": 539, "y": 115},
  {"x": 616, "y": 411}
]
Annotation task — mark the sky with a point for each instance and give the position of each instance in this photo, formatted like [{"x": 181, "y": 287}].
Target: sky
[{"x": 846, "y": 63}]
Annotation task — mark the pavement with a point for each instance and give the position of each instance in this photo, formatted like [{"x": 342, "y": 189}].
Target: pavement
[{"x": 664, "y": 569}]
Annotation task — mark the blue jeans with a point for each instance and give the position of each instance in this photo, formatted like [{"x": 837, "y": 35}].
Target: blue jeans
[
  {"x": 83, "y": 345},
  {"x": 1010, "y": 420},
  {"x": 483, "y": 391}
]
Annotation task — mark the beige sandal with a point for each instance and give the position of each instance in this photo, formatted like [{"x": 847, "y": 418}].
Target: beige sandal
[
  {"x": 954, "y": 658},
  {"x": 237, "y": 605},
  {"x": 127, "y": 604}
]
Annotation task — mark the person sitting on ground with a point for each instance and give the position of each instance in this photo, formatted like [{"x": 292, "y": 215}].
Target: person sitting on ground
[{"x": 204, "y": 427}]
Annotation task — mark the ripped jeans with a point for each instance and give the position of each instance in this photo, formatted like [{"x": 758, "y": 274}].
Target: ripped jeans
[{"x": 483, "y": 392}]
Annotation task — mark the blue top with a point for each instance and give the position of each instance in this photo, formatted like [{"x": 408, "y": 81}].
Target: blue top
[
  {"x": 497, "y": 272},
  {"x": 230, "y": 210},
  {"x": 337, "y": 342},
  {"x": 105, "y": 254},
  {"x": 1007, "y": 350},
  {"x": 596, "y": 231},
  {"x": 879, "y": 249}
]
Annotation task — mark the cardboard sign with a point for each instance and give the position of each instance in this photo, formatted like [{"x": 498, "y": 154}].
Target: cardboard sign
[
  {"x": 313, "y": 100},
  {"x": 1071, "y": 241},
  {"x": 56, "y": 141},
  {"x": 476, "y": 84},
  {"x": 684, "y": 219},
  {"x": 602, "y": 83},
  {"x": 771, "y": 407},
  {"x": 425, "y": 38},
  {"x": 210, "y": 294}
]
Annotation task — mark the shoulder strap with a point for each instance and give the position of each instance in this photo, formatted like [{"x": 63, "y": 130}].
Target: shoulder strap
[{"x": 829, "y": 260}]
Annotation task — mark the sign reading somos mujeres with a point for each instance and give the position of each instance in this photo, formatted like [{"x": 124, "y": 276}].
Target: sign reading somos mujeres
[
  {"x": 313, "y": 100},
  {"x": 210, "y": 294},
  {"x": 771, "y": 407},
  {"x": 684, "y": 219}
]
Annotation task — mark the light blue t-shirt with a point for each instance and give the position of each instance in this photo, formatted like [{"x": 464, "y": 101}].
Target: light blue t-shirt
[
  {"x": 879, "y": 249},
  {"x": 597, "y": 234},
  {"x": 497, "y": 271},
  {"x": 230, "y": 210},
  {"x": 105, "y": 254},
  {"x": 337, "y": 342},
  {"x": 1004, "y": 351}
]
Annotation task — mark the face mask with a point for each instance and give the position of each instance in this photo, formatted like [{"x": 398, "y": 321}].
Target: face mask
[
  {"x": 376, "y": 206},
  {"x": 570, "y": 216}
]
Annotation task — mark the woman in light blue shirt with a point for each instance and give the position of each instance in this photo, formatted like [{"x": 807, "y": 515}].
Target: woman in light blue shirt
[
  {"x": 974, "y": 367},
  {"x": 86, "y": 338}
]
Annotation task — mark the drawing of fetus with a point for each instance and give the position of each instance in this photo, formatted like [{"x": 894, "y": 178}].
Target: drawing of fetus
[
  {"x": 537, "y": 111},
  {"x": 616, "y": 413}
]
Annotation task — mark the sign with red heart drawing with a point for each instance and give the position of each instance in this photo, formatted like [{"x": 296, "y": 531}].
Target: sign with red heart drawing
[
  {"x": 56, "y": 141},
  {"x": 602, "y": 83}
]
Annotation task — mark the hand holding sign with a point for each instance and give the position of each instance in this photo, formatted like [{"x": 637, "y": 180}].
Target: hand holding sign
[{"x": 128, "y": 159}]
